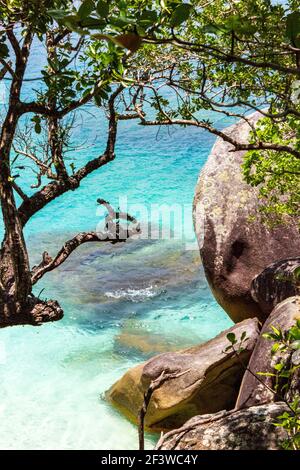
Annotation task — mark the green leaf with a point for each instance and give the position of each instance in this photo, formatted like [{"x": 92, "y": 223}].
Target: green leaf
[
  {"x": 275, "y": 348},
  {"x": 180, "y": 14},
  {"x": 102, "y": 9},
  {"x": 266, "y": 374},
  {"x": 276, "y": 331},
  {"x": 270, "y": 336},
  {"x": 243, "y": 337},
  {"x": 231, "y": 338},
  {"x": 293, "y": 27},
  {"x": 98, "y": 100},
  {"x": 38, "y": 128},
  {"x": 294, "y": 333},
  {"x": 148, "y": 17},
  {"x": 212, "y": 29},
  {"x": 58, "y": 14},
  {"x": 163, "y": 4},
  {"x": 86, "y": 8},
  {"x": 121, "y": 22},
  {"x": 295, "y": 345},
  {"x": 296, "y": 274},
  {"x": 4, "y": 51},
  {"x": 37, "y": 124},
  {"x": 285, "y": 374},
  {"x": 93, "y": 23},
  {"x": 71, "y": 22}
]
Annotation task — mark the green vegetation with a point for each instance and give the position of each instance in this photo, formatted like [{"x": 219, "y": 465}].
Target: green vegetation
[
  {"x": 286, "y": 348},
  {"x": 285, "y": 365},
  {"x": 222, "y": 57},
  {"x": 161, "y": 62}
]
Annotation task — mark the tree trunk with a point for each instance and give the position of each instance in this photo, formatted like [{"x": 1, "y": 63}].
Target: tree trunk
[
  {"x": 15, "y": 278},
  {"x": 17, "y": 305}
]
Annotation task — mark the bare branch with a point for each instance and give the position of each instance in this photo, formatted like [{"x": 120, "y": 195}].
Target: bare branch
[
  {"x": 222, "y": 55},
  {"x": 6, "y": 68},
  {"x": 154, "y": 385},
  {"x": 14, "y": 42},
  {"x": 56, "y": 188},
  {"x": 114, "y": 233},
  {"x": 237, "y": 145},
  {"x": 19, "y": 191},
  {"x": 45, "y": 168}
]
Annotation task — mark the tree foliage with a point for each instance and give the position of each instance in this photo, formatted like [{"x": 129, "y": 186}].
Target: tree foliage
[
  {"x": 162, "y": 62},
  {"x": 217, "y": 58}
]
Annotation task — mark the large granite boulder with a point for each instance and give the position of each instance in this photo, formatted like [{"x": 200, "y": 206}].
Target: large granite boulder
[
  {"x": 257, "y": 390},
  {"x": 235, "y": 244},
  {"x": 276, "y": 283},
  {"x": 208, "y": 380},
  {"x": 249, "y": 429}
]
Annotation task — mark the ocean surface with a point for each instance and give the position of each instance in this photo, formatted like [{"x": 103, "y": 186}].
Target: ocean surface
[{"x": 122, "y": 304}]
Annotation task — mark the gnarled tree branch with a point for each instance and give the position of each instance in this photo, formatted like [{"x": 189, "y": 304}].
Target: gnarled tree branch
[
  {"x": 237, "y": 145},
  {"x": 114, "y": 233},
  {"x": 56, "y": 188}
]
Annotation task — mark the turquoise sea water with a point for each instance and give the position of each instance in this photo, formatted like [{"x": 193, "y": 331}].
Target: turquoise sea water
[{"x": 122, "y": 303}]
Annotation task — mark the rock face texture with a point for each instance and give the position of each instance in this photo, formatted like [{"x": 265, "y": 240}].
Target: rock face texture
[
  {"x": 235, "y": 246},
  {"x": 276, "y": 283},
  {"x": 252, "y": 391},
  {"x": 249, "y": 429},
  {"x": 208, "y": 381}
]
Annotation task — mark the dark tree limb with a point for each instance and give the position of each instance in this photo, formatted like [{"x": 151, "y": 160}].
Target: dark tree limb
[
  {"x": 154, "y": 385},
  {"x": 237, "y": 145},
  {"x": 6, "y": 68},
  {"x": 19, "y": 190},
  {"x": 55, "y": 189},
  {"x": 114, "y": 233},
  {"x": 223, "y": 55},
  {"x": 14, "y": 42}
]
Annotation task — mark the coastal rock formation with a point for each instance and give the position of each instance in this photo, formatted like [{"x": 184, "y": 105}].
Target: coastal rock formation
[
  {"x": 276, "y": 283},
  {"x": 235, "y": 245},
  {"x": 254, "y": 391},
  {"x": 249, "y": 429},
  {"x": 207, "y": 380}
]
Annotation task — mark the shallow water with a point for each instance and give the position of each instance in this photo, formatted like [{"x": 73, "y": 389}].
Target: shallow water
[{"x": 122, "y": 303}]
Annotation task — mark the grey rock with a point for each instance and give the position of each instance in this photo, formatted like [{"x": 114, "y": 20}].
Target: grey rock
[
  {"x": 253, "y": 391},
  {"x": 208, "y": 380},
  {"x": 276, "y": 283},
  {"x": 235, "y": 245},
  {"x": 249, "y": 429}
]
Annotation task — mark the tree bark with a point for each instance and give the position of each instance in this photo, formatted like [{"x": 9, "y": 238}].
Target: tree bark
[
  {"x": 15, "y": 281},
  {"x": 17, "y": 305}
]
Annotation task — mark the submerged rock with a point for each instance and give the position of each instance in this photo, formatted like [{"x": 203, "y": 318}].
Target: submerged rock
[
  {"x": 209, "y": 381},
  {"x": 276, "y": 283},
  {"x": 249, "y": 429},
  {"x": 235, "y": 244},
  {"x": 143, "y": 343},
  {"x": 253, "y": 391}
]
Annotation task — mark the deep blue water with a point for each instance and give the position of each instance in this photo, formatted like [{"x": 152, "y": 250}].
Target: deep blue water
[{"x": 122, "y": 303}]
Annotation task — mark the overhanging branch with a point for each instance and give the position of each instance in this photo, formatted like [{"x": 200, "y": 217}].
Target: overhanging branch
[
  {"x": 56, "y": 188},
  {"x": 114, "y": 233},
  {"x": 237, "y": 145}
]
